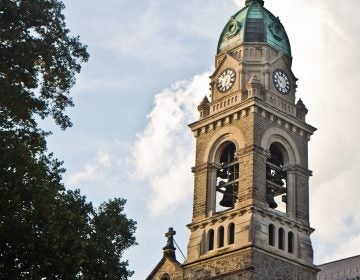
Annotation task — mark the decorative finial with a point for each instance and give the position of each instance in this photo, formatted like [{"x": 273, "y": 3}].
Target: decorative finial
[
  {"x": 169, "y": 249},
  {"x": 205, "y": 100},
  {"x": 254, "y": 87},
  {"x": 204, "y": 108},
  {"x": 254, "y": 80},
  {"x": 249, "y": 2},
  {"x": 301, "y": 110}
]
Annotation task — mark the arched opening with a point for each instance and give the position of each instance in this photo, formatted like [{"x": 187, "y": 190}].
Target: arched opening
[
  {"x": 166, "y": 276},
  {"x": 271, "y": 235},
  {"x": 281, "y": 239},
  {"x": 290, "y": 242},
  {"x": 221, "y": 233},
  {"x": 211, "y": 240},
  {"x": 276, "y": 179},
  {"x": 231, "y": 234},
  {"x": 227, "y": 177}
]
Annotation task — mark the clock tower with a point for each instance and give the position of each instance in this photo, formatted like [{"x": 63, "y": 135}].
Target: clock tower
[{"x": 251, "y": 177}]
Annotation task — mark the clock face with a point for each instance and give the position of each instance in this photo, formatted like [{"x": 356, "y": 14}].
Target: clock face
[
  {"x": 281, "y": 81},
  {"x": 226, "y": 80}
]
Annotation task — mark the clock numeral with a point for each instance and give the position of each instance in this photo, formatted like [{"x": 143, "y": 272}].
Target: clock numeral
[
  {"x": 226, "y": 80},
  {"x": 281, "y": 81}
]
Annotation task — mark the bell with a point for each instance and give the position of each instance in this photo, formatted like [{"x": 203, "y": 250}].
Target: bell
[
  {"x": 228, "y": 199},
  {"x": 222, "y": 173},
  {"x": 270, "y": 200},
  {"x": 269, "y": 176},
  {"x": 277, "y": 179}
]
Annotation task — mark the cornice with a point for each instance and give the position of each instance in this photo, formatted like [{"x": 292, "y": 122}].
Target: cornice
[
  {"x": 243, "y": 109},
  {"x": 219, "y": 217},
  {"x": 282, "y": 219},
  {"x": 271, "y": 214}
]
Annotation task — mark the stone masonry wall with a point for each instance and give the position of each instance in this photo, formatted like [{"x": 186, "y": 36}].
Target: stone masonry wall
[
  {"x": 267, "y": 267},
  {"x": 231, "y": 266}
]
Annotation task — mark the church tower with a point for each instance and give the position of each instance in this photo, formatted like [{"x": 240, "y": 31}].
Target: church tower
[{"x": 251, "y": 190}]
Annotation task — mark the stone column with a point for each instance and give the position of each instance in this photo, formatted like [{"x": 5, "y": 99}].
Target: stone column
[
  {"x": 211, "y": 189},
  {"x": 267, "y": 78},
  {"x": 291, "y": 192}
]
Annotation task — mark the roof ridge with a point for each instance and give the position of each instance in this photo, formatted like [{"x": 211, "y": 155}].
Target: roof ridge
[{"x": 344, "y": 259}]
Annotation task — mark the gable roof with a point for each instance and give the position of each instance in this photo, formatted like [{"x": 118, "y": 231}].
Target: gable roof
[
  {"x": 345, "y": 269},
  {"x": 160, "y": 264}
]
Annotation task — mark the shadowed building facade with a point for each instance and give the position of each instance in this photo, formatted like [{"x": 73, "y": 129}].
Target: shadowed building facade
[
  {"x": 345, "y": 269},
  {"x": 251, "y": 178}
]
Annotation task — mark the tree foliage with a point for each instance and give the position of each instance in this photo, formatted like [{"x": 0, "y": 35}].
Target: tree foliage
[
  {"x": 38, "y": 61},
  {"x": 46, "y": 231}
]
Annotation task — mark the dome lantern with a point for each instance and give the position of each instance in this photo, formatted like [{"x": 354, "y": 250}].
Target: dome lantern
[{"x": 249, "y": 2}]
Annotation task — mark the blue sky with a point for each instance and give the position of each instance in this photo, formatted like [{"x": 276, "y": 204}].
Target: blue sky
[{"x": 148, "y": 70}]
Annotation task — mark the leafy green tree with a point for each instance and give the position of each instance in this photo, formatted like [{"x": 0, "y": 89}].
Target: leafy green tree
[
  {"x": 47, "y": 232},
  {"x": 112, "y": 234},
  {"x": 38, "y": 61}
]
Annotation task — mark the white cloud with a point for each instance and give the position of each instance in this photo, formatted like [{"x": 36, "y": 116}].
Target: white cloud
[
  {"x": 164, "y": 152},
  {"x": 93, "y": 171},
  {"x": 329, "y": 83}
]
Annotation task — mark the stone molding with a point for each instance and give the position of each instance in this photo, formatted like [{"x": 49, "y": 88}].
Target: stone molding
[
  {"x": 281, "y": 120},
  {"x": 232, "y": 134},
  {"x": 219, "y": 218},
  {"x": 276, "y": 134},
  {"x": 282, "y": 219}
]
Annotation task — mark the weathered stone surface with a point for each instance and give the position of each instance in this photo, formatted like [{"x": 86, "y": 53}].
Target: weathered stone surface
[
  {"x": 273, "y": 268},
  {"x": 167, "y": 267},
  {"x": 346, "y": 269},
  {"x": 220, "y": 267}
]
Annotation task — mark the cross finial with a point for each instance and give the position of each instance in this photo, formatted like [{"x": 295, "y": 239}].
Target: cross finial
[
  {"x": 169, "y": 249},
  {"x": 170, "y": 234}
]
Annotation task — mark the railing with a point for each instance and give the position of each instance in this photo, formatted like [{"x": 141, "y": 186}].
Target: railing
[{"x": 225, "y": 103}]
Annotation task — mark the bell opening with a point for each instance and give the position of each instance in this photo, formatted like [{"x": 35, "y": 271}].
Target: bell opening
[
  {"x": 276, "y": 180},
  {"x": 227, "y": 178}
]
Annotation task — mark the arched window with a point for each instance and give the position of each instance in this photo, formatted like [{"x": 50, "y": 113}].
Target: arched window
[
  {"x": 271, "y": 235},
  {"x": 211, "y": 240},
  {"x": 165, "y": 277},
  {"x": 281, "y": 239},
  {"x": 276, "y": 179},
  {"x": 221, "y": 237},
  {"x": 290, "y": 242},
  {"x": 227, "y": 178},
  {"x": 231, "y": 234}
]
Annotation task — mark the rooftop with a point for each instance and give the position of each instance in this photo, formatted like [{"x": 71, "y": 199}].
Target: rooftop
[
  {"x": 252, "y": 24},
  {"x": 345, "y": 269}
]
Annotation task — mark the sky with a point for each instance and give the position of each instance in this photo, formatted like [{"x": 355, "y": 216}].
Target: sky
[{"x": 149, "y": 66}]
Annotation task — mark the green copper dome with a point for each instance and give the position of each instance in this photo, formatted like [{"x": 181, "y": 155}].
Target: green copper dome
[{"x": 254, "y": 24}]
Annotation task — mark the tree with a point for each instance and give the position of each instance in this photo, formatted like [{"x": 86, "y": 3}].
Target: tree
[
  {"x": 38, "y": 61},
  {"x": 112, "y": 234},
  {"x": 46, "y": 231}
]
